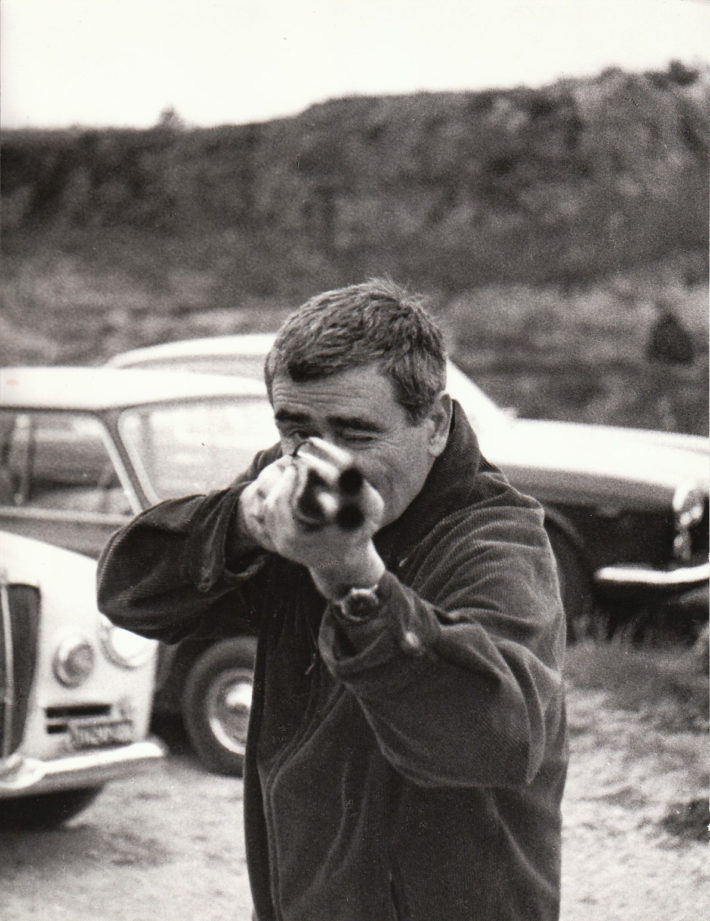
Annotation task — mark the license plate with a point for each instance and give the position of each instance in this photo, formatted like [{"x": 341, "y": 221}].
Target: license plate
[{"x": 94, "y": 735}]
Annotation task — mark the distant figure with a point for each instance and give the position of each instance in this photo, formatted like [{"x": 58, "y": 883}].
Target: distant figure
[{"x": 669, "y": 341}]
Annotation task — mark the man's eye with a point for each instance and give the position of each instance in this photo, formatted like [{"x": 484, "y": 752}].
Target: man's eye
[
  {"x": 358, "y": 438},
  {"x": 301, "y": 434},
  {"x": 294, "y": 434}
]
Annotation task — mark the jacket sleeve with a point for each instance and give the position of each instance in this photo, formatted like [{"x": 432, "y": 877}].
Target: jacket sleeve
[
  {"x": 166, "y": 574},
  {"x": 461, "y": 683}
]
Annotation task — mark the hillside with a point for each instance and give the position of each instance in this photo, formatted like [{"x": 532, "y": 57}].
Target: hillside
[{"x": 556, "y": 210}]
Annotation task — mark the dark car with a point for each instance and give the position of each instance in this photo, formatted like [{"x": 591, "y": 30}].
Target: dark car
[{"x": 84, "y": 449}]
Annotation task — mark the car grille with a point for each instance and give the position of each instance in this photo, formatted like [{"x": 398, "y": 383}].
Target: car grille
[
  {"x": 699, "y": 537},
  {"x": 20, "y": 609},
  {"x": 57, "y": 719}
]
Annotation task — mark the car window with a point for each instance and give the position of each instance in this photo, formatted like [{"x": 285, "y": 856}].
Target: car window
[
  {"x": 190, "y": 448},
  {"x": 58, "y": 461}
]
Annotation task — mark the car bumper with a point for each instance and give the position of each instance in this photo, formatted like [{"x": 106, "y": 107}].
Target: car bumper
[
  {"x": 28, "y": 776},
  {"x": 622, "y": 578}
]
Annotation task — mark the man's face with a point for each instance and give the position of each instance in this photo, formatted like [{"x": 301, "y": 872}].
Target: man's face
[{"x": 357, "y": 411}]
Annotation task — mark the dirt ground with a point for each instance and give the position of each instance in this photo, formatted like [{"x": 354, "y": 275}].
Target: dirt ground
[{"x": 168, "y": 846}]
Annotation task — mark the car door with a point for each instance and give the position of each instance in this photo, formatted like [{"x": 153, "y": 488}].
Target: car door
[{"x": 62, "y": 480}]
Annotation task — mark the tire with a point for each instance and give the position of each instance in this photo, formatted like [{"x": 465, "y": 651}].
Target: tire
[
  {"x": 575, "y": 588},
  {"x": 45, "y": 810},
  {"x": 216, "y": 702}
]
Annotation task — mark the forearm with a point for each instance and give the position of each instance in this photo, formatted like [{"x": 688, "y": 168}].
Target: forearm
[
  {"x": 165, "y": 570},
  {"x": 461, "y": 691}
]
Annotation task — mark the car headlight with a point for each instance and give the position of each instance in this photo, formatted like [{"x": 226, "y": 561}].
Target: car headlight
[
  {"x": 123, "y": 647},
  {"x": 73, "y": 660},
  {"x": 689, "y": 508}
]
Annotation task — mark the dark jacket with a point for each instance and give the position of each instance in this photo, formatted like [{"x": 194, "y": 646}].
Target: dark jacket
[{"x": 412, "y": 768}]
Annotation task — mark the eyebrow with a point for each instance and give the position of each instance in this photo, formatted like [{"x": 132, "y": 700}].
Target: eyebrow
[
  {"x": 353, "y": 423},
  {"x": 287, "y": 415}
]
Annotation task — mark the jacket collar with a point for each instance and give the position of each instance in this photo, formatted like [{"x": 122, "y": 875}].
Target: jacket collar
[{"x": 447, "y": 487}]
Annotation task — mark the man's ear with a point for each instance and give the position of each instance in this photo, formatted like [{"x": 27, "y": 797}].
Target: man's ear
[{"x": 439, "y": 418}]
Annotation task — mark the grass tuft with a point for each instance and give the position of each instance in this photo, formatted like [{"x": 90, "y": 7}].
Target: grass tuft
[
  {"x": 689, "y": 821},
  {"x": 667, "y": 687}
]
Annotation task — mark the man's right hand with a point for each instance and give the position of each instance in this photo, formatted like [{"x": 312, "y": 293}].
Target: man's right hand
[{"x": 252, "y": 523}]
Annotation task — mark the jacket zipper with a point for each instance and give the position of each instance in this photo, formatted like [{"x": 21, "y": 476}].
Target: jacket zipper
[{"x": 309, "y": 719}]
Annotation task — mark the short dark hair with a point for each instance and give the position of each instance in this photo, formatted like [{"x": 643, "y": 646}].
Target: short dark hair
[{"x": 377, "y": 322}]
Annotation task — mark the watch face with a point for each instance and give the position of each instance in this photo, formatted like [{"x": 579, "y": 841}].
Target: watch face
[{"x": 360, "y": 603}]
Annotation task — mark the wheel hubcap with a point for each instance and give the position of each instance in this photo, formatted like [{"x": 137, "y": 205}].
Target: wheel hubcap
[{"x": 228, "y": 708}]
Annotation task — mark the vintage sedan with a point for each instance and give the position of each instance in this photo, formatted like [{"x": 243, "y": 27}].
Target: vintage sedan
[
  {"x": 82, "y": 450},
  {"x": 77, "y": 691},
  {"x": 626, "y": 509}
]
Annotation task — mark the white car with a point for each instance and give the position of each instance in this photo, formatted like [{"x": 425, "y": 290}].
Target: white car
[{"x": 77, "y": 691}]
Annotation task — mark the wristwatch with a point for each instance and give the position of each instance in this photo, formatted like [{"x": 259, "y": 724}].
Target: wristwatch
[{"x": 359, "y": 605}]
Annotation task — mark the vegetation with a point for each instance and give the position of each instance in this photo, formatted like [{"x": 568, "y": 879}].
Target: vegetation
[
  {"x": 547, "y": 226},
  {"x": 654, "y": 702},
  {"x": 667, "y": 686}
]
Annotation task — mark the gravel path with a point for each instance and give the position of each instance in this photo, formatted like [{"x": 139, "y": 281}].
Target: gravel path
[
  {"x": 169, "y": 847},
  {"x": 619, "y": 861}
]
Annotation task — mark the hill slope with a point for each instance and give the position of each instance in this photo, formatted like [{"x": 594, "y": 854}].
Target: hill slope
[{"x": 570, "y": 210}]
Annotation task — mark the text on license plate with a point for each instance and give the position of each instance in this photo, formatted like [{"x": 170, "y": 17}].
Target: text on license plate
[{"x": 91, "y": 735}]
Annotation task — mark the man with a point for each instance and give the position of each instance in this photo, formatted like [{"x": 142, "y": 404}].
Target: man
[{"x": 407, "y": 745}]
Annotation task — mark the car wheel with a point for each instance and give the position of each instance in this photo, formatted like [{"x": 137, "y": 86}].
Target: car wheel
[
  {"x": 216, "y": 703},
  {"x": 46, "y": 810},
  {"x": 575, "y": 588}
]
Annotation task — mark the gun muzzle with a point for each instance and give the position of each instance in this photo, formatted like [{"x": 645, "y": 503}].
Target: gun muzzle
[{"x": 320, "y": 503}]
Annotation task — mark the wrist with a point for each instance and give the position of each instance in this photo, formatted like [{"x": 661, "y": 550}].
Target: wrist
[
  {"x": 239, "y": 538},
  {"x": 365, "y": 571}
]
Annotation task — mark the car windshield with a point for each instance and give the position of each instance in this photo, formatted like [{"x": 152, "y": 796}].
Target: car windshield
[
  {"x": 187, "y": 448},
  {"x": 486, "y": 417}
]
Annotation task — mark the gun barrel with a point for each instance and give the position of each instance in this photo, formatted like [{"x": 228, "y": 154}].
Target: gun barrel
[
  {"x": 320, "y": 504},
  {"x": 350, "y": 481}
]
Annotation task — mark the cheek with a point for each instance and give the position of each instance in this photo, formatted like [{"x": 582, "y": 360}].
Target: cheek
[
  {"x": 398, "y": 474},
  {"x": 378, "y": 472},
  {"x": 413, "y": 465}
]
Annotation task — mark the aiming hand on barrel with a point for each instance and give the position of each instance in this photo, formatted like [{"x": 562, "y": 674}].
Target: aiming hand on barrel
[{"x": 314, "y": 507}]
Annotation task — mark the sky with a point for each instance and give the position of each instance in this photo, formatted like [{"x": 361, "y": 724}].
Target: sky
[{"x": 101, "y": 63}]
